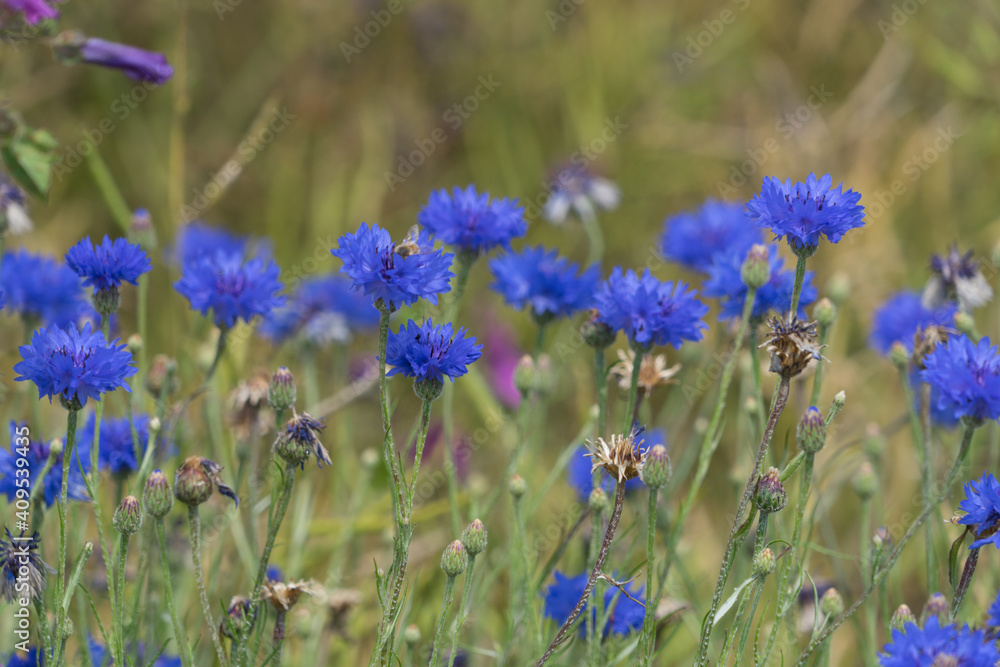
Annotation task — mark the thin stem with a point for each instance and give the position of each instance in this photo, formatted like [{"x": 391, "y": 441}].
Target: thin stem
[
  {"x": 463, "y": 610},
  {"x": 425, "y": 420},
  {"x": 616, "y": 515},
  {"x": 871, "y": 615},
  {"x": 449, "y": 590},
  {"x": 220, "y": 349},
  {"x": 646, "y": 638},
  {"x": 183, "y": 648},
  {"x": 120, "y": 590},
  {"x": 963, "y": 583},
  {"x": 824, "y": 336},
  {"x": 800, "y": 274},
  {"x": 601, "y": 379},
  {"x": 926, "y": 480},
  {"x": 595, "y": 236},
  {"x": 195, "y": 524},
  {"x": 632, "y": 392},
  {"x": 71, "y": 419}
]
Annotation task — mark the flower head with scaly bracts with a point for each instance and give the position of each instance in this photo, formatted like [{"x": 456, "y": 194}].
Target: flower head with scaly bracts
[
  {"x": 993, "y": 613},
  {"x": 40, "y": 288},
  {"x": 694, "y": 238},
  {"x": 108, "y": 265},
  {"x": 430, "y": 353},
  {"x": 20, "y": 563},
  {"x": 396, "y": 275},
  {"x": 650, "y": 312},
  {"x": 541, "y": 280},
  {"x": 232, "y": 287},
  {"x": 564, "y": 593},
  {"x": 37, "y": 455},
  {"x": 804, "y": 213},
  {"x": 74, "y": 364},
  {"x": 934, "y": 645},
  {"x": 725, "y": 283},
  {"x": 902, "y": 316},
  {"x": 621, "y": 456},
  {"x": 792, "y": 346},
  {"x": 967, "y": 377},
  {"x": 471, "y": 222},
  {"x": 117, "y": 451},
  {"x": 324, "y": 310},
  {"x": 982, "y": 510}
]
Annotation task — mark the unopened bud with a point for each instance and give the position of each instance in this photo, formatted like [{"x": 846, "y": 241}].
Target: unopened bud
[
  {"x": 899, "y": 355},
  {"x": 517, "y": 486},
  {"x": 865, "y": 481},
  {"x": 831, "y": 604},
  {"x": 595, "y": 333},
  {"x": 873, "y": 443},
  {"x": 824, "y": 312},
  {"x": 936, "y": 605},
  {"x": 770, "y": 494},
  {"x": 128, "y": 517},
  {"x": 474, "y": 538},
  {"x": 655, "y": 472},
  {"x": 965, "y": 324},
  {"x": 281, "y": 393},
  {"x": 756, "y": 269},
  {"x": 526, "y": 375},
  {"x": 901, "y": 617},
  {"x": 156, "y": 496},
  {"x": 839, "y": 288},
  {"x": 454, "y": 559},
  {"x": 411, "y": 635},
  {"x": 764, "y": 562},
  {"x": 811, "y": 433},
  {"x": 598, "y": 501},
  {"x": 134, "y": 344}
]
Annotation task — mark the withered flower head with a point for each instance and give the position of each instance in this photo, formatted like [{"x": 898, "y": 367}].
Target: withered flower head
[
  {"x": 17, "y": 553},
  {"x": 621, "y": 456},
  {"x": 340, "y": 602},
  {"x": 792, "y": 345},
  {"x": 956, "y": 278},
  {"x": 195, "y": 480},
  {"x": 926, "y": 339},
  {"x": 283, "y": 596},
  {"x": 249, "y": 413},
  {"x": 299, "y": 439},
  {"x": 653, "y": 371},
  {"x": 162, "y": 376},
  {"x": 238, "y": 614}
]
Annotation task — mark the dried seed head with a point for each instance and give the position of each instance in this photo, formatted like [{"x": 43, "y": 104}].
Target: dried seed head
[
  {"x": 248, "y": 409},
  {"x": 925, "y": 340},
  {"x": 283, "y": 596},
  {"x": 792, "y": 346},
  {"x": 653, "y": 371},
  {"x": 621, "y": 456}
]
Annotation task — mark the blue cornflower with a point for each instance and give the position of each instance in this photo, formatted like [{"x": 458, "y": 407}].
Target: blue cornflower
[
  {"x": 30, "y": 659},
  {"x": 106, "y": 266},
  {"x": 725, "y": 282},
  {"x": 805, "y": 212},
  {"x": 921, "y": 647},
  {"x": 967, "y": 377},
  {"x": 541, "y": 280},
  {"x": 650, "y": 312},
  {"x": 471, "y": 222},
  {"x": 198, "y": 239},
  {"x": 564, "y": 594},
  {"x": 993, "y": 613},
  {"x": 982, "y": 509},
  {"x": 899, "y": 319},
  {"x": 323, "y": 310},
  {"x": 396, "y": 276},
  {"x": 116, "y": 453},
  {"x": 232, "y": 287},
  {"x": 40, "y": 288},
  {"x": 38, "y": 454},
  {"x": 579, "y": 471},
  {"x": 694, "y": 238},
  {"x": 101, "y": 657},
  {"x": 429, "y": 353},
  {"x": 74, "y": 364}
]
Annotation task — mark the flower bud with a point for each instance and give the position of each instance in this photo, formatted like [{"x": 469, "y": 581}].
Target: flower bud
[
  {"x": 141, "y": 230},
  {"x": 128, "y": 517},
  {"x": 831, "y": 604},
  {"x": 162, "y": 376},
  {"x": 474, "y": 538},
  {"x": 56, "y": 448},
  {"x": 369, "y": 458},
  {"x": 454, "y": 559},
  {"x": 764, "y": 563},
  {"x": 839, "y": 288},
  {"x": 901, "y": 617},
  {"x": 811, "y": 434},
  {"x": 899, "y": 355},
  {"x": 770, "y": 494},
  {"x": 865, "y": 481},
  {"x": 598, "y": 500},
  {"x": 655, "y": 471},
  {"x": 824, "y": 312},
  {"x": 756, "y": 269},
  {"x": 965, "y": 324},
  {"x": 156, "y": 496},
  {"x": 936, "y": 605},
  {"x": 873, "y": 443},
  {"x": 281, "y": 393},
  {"x": 526, "y": 375},
  {"x": 595, "y": 333},
  {"x": 134, "y": 344},
  {"x": 196, "y": 479},
  {"x": 517, "y": 486},
  {"x": 238, "y": 613},
  {"x": 750, "y": 405},
  {"x": 839, "y": 400},
  {"x": 411, "y": 635}
]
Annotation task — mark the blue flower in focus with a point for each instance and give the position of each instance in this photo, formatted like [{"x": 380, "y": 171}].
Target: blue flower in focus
[
  {"x": 993, "y": 613},
  {"x": 921, "y": 647},
  {"x": 323, "y": 310},
  {"x": 982, "y": 509},
  {"x": 396, "y": 276},
  {"x": 899, "y": 319},
  {"x": 541, "y": 280},
  {"x": 430, "y": 353},
  {"x": 580, "y": 476},
  {"x": 74, "y": 364},
  {"x": 38, "y": 454},
  {"x": 650, "y": 312},
  {"x": 725, "y": 282},
  {"x": 116, "y": 453},
  {"x": 563, "y": 595},
  {"x": 967, "y": 377},
  {"x": 694, "y": 238},
  {"x": 106, "y": 266},
  {"x": 232, "y": 287},
  {"x": 40, "y": 288},
  {"x": 470, "y": 221},
  {"x": 805, "y": 212}
]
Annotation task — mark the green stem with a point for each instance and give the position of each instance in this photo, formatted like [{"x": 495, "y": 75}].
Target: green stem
[
  {"x": 449, "y": 589},
  {"x": 927, "y": 481},
  {"x": 463, "y": 610},
  {"x": 194, "y": 522},
  {"x": 220, "y": 349},
  {"x": 183, "y": 648},
  {"x": 800, "y": 274},
  {"x": 71, "y": 420},
  {"x": 601, "y": 379},
  {"x": 119, "y": 624},
  {"x": 824, "y": 336},
  {"x": 425, "y": 420},
  {"x": 646, "y": 638},
  {"x": 632, "y": 392},
  {"x": 871, "y": 615},
  {"x": 595, "y": 237},
  {"x": 921, "y": 440},
  {"x": 963, "y": 584}
]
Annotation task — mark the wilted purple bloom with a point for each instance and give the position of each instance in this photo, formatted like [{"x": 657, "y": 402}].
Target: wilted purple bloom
[{"x": 135, "y": 63}]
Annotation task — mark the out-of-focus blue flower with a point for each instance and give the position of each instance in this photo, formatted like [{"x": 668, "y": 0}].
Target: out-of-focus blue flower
[
  {"x": 920, "y": 647},
  {"x": 805, "y": 212},
  {"x": 967, "y": 377},
  {"x": 576, "y": 188},
  {"x": 694, "y": 238},
  {"x": 74, "y": 364},
  {"x": 650, "y": 312},
  {"x": 470, "y": 221},
  {"x": 541, "y": 280},
  {"x": 37, "y": 455},
  {"x": 116, "y": 453},
  {"x": 14, "y": 217},
  {"x": 133, "y": 62},
  {"x": 982, "y": 509},
  {"x": 136, "y": 655},
  {"x": 40, "y": 288},
  {"x": 323, "y": 310},
  {"x": 902, "y": 316},
  {"x": 32, "y": 658},
  {"x": 579, "y": 471},
  {"x": 417, "y": 271},
  {"x": 430, "y": 353},
  {"x": 274, "y": 573},
  {"x": 198, "y": 239},
  {"x": 232, "y": 287},
  {"x": 563, "y": 595},
  {"x": 993, "y": 613},
  {"x": 107, "y": 265},
  {"x": 33, "y": 12},
  {"x": 725, "y": 282}
]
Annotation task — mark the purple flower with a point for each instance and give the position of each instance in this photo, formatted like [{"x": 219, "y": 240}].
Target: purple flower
[
  {"x": 471, "y": 222},
  {"x": 33, "y": 10},
  {"x": 41, "y": 288},
  {"x": 231, "y": 287},
  {"x": 982, "y": 509},
  {"x": 994, "y": 613},
  {"x": 725, "y": 283},
  {"x": 37, "y": 455},
  {"x": 967, "y": 377},
  {"x": 563, "y": 595},
  {"x": 541, "y": 280},
  {"x": 323, "y": 310},
  {"x": 921, "y": 647},
  {"x": 106, "y": 266},
  {"x": 805, "y": 212},
  {"x": 135, "y": 63},
  {"x": 650, "y": 312},
  {"x": 397, "y": 276},
  {"x": 694, "y": 238},
  {"x": 74, "y": 364},
  {"x": 430, "y": 353},
  {"x": 899, "y": 319}
]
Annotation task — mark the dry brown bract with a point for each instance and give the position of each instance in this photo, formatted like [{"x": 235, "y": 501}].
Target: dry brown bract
[
  {"x": 926, "y": 339},
  {"x": 249, "y": 413},
  {"x": 653, "y": 371},
  {"x": 792, "y": 345},
  {"x": 283, "y": 596},
  {"x": 622, "y": 457}
]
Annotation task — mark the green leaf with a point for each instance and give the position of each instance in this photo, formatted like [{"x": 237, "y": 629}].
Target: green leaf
[
  {"x": 728, "y": 604},
  {"x": 29, "y": 159}
]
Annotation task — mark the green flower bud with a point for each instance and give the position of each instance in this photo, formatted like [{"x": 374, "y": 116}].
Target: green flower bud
[
  {"x": 128, "y": 517},
  {"x": 824, "y": 312},
  {"x": 517, "y": 486},
  {"x": 831, "y": 604},
  {"x": 965, "y": 324},
  {"x": 936, "y": 605},
  {"x": 839, "y": 400},
  {"x": 811, "y": 434},
  {"x": 839, "y": 288},
  {"x": 369, "y": 458},
  {"x": 899, "y": 355},
  {"x": 598, "y": 500},
  {"x": 526, "y": 375},
  {"x": 655, "y": 471},
  {"x": 281, "y": 393},
  {"x": 134, "y": 344},
  {"x": 474, "y": 538},
  {"x": 901, "y": 617},
  {"x": 411, "y": 635},
  {"x": 56, "y": 448},
  {"x": 764, "y": 563},
  {"x": 770, "y": 495},
  {"x": 865, "y": 481},
  {"x": 162, "y": 376},
  {"x": 873, "y": 443},
  {"x": 756, "y": 269},
  {"x": 156, "y": 496},
  {"x": 454, "y": 559}
]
